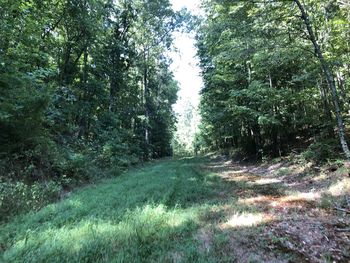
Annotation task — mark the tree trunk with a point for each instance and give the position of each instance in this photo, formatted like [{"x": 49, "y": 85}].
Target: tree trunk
[
  {"x": 326, "y": 109},
  {"x": 257, "y": 141},
  {"x": 329, "y": 77},
  {"x": 116, "y": 71},
  {"x": 342, "y": 87},
  {"x": 82, "y": 119},
  {"x": 147, "y": 97}
]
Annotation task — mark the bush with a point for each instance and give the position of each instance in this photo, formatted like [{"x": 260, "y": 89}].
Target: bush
[
  {"x": 22, "y": 105},
  {"x": 18, "y": 197},
  {"x": 236, "y": 154},
  {"x": 322, "y": 151}
]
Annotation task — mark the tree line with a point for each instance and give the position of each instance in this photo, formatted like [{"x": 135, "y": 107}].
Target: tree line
[
  {"x": 85, "y": 86},
  {"x": 276, "y": 76}
]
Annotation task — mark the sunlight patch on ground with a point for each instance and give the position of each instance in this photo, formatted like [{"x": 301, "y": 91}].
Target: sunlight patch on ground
[
  {"x": 320, "y": 177},
  {"x": 308, "y": 196},
  {"x": 340, "y": 188},
  {"x": 293, "y": 200},
  {"x": 238, "y": 171},
  {"x": 181, "y": 211},
  {"x": 238, "y": 176},
  {"x": 246, "y": 220},
  {"x": 264, "y": 181},
  {"x": 148, "y": 222}
]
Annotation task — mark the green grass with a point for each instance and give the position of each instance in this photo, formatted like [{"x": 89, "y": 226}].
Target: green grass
[{"x": 150, "y": 214}]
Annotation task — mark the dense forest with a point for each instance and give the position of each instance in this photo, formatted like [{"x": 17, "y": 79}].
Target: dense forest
[
  {"x": 276, "y": 77},
  {"x": 97, "y": 163},
  {"x": 85, "y": 87}
]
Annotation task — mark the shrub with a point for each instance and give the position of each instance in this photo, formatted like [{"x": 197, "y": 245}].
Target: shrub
[
  {"x": 18, "y": 197},
  {"x": 322, "y": 151}
]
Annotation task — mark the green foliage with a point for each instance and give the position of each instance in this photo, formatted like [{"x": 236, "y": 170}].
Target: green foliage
[
  {"x": 18, "y": 197},
  {"x": 143, "y": 215},
  {"x": 22, "y": 105},
  {"x": 85, "y": 89},
  {"x": 165, "y": 211},
  {"x": 187, "y": 124},
  {"x": 264, "y": 89},
  {"x": 322, "y": 151}
]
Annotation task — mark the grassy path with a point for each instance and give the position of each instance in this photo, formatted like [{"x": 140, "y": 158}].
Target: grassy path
[
  {"x": 170, "y": 211},
  {"x": 149, "y": 214}
]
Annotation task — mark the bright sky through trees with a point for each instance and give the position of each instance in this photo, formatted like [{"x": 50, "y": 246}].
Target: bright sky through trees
[
  {"x": 185, "y": 62},
  {"x": 187, "y": 73}
]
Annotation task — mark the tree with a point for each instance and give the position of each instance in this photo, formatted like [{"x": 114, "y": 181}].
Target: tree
[
  {"x": 329, "y": 77},
  {"x": 85, "y": 83},
  {"x": 263, "y": 84}
]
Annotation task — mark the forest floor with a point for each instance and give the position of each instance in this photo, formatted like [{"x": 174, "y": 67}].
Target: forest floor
[{"x": 192, "y": 210}]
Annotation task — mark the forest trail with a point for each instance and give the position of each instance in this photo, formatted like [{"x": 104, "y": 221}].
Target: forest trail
[{"x": 189, "y": 210}]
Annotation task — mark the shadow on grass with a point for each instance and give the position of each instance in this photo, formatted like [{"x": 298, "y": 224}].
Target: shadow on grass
[{"x": 170, "y": 211}]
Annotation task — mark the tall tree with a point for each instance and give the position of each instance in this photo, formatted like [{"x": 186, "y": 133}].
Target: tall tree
[
  {"x": 329, "y": 77},
  {"x": 71, "y": 75},
  {"x": 263, "y": 83}
]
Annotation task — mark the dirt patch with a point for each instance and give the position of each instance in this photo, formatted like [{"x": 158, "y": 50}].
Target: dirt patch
[
  {"x": 205, "y": 238},
  {"x": 176, "y": 257},
  {"x": 314, "y": 238},
  {"x": 250, "y": 245},
  {"x": 286, "y": 201}
]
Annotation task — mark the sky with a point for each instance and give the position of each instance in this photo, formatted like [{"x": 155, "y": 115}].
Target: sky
[
  {"x": 187, "y": 73},
  {"x": 185, "y": 64}
]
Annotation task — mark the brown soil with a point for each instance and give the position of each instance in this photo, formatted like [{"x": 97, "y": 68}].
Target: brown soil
[{"x": 300, "y": 213}]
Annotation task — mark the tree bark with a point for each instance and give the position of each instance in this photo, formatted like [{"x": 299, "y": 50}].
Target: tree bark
[
  {"x": 116, "y": 70},
  {"x": 329, "y": 77},
  {"x": 82, "y": 119},
  {"x": 147, "y": 97}
]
